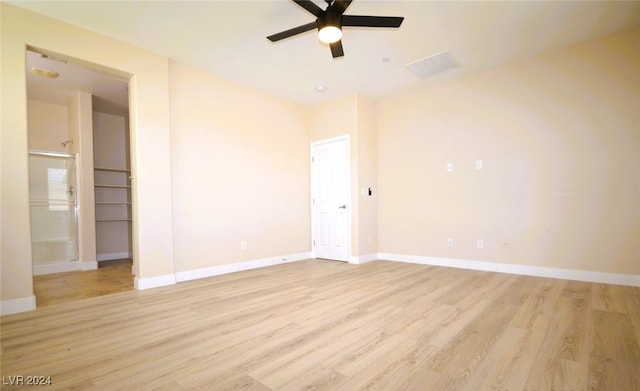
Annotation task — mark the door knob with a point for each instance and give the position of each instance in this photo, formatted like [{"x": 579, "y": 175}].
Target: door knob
[{"x": 342, "y": 207}]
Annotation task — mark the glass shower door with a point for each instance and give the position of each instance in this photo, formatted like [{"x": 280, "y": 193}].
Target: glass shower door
[{"x": 54, "y": 219}]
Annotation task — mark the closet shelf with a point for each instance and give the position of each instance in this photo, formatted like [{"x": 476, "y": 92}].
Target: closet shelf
[
  {"x": 114, "y": 195},
  {"x": 112, "y": 187},
  {"x": 112, "y": 169}
]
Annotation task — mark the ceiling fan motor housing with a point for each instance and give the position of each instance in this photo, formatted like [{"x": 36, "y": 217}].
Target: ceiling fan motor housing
[{"x": 330, "y": 17}]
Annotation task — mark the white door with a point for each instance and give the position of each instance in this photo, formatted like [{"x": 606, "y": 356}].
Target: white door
[{"x": 330, "y": 199}]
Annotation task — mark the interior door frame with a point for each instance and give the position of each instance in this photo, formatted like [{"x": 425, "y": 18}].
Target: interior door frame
[
  {"x": 346, "y": 138},
  {"x": 81, "y": 162}
]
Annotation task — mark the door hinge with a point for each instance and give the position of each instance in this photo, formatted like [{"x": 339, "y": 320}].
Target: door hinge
[
  {"x": 314, "y": 243},
  {"x": 313, "y": 159}
]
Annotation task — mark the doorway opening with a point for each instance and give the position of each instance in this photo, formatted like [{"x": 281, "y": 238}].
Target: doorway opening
[
  {"x": 78, "y": 118},
  {"x": 330, "y": 199}
]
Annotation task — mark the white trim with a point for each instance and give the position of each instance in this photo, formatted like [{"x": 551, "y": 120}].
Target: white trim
[
  {"x": 360, "y": 259},
  {"x": 60, "y": 267},
  {"x": 114, "y": 256},
  {"x": 63, "y": 267},
  {"x": 312, "y": 177},
  {"x": 537, "y": 271},
  {"x": 236, "y": 267},
  {"x": 154, "y": 282},
  {"x": 51, "y": 153},
  {"x": 14, "y": 306},
  {"x": 90, "y": 265},
  {"x": 330, "y": 140}
]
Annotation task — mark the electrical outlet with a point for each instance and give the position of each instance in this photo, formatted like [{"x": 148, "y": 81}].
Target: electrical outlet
[
  {"x": 243, "y": 245},
  {"x": 480, "y": 243},
  {"x": 449, "y": 167},
  {"x": 478, "y": 164},
  {"x": 450, "y": 242}
]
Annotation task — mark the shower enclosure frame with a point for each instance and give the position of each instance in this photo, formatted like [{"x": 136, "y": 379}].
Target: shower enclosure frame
[{"x": 53, "y": 246}]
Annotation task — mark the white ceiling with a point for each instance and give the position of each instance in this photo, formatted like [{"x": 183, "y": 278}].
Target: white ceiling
[
  {"x": 228, "y": 38},
  {"x": 74, "y": 77}
]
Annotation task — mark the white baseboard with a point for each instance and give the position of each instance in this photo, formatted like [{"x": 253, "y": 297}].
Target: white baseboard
[
  {"x": 91, "y": 265},
  {"x": 240, "y": 266},
  {"x": 360, "y": 259},
  {"x": 61, "y": 267},
  {"x": 14, "y": 306},
  {"x": 113, "y": 256},
  {"x": 537, "y": 271},
  {"x": 154, "y": 282}
]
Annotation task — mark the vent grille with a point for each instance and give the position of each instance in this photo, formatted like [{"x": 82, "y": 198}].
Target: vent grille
[{"x": 432, "y": 65}]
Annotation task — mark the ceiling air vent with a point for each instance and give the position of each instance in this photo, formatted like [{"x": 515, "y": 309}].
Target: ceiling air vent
[{"x": 434, "y": 64}]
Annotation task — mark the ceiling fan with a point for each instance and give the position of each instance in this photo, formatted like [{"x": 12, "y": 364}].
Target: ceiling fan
[{"x": 329, "y": 23}]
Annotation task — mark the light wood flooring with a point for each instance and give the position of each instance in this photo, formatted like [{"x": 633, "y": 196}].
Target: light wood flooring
[
  {"x": 321, "y": 325},
  {"x": 110, "y": 277}
]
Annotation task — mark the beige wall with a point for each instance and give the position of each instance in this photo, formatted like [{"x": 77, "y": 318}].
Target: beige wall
[
  {"x": 48, "y": 126},
  {"x": 559, "y": 137},
  {"x": 110, "y": 141},
  {"x": 367, "y": 147},
  {"x": 153, "y": 247},
  {"x": 240, "y": 166}
]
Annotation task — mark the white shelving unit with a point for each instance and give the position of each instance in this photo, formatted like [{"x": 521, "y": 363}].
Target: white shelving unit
[
  {"x": 112, "y": 187},
  {"x": 113, "y": 195}
]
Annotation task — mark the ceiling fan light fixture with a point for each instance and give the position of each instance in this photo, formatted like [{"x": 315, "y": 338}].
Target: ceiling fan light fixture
[{"x": 329, "y": 34}]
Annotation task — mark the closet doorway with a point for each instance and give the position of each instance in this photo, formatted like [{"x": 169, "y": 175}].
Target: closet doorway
[
  {"x": 112, "y": 182},
  {"x": 81, "y": 111}
]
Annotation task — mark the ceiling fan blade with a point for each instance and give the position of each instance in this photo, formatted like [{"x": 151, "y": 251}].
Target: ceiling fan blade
[
  {"x": 336, "y": 49},
  {"x": 342, "y": 5},
  {"x": 310, "y": 6},
  {"x": 371, "y": 21},
  {"x": 292, "y": 32}
]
